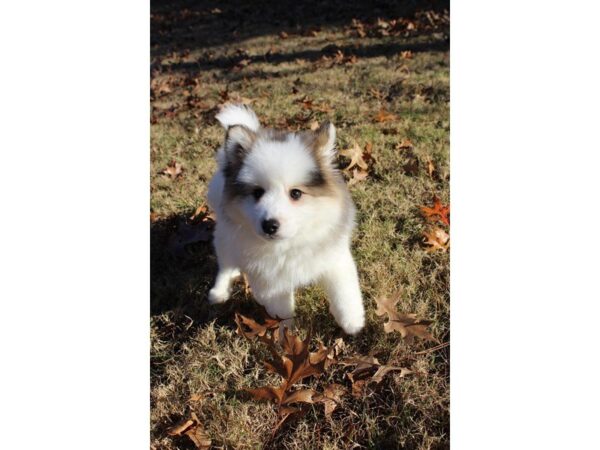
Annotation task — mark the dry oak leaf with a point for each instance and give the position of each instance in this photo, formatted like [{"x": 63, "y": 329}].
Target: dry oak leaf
[
  {"x": 363, "y": 372},
  {"x": 436, "y": 239},
  {"x": 437, "y": 212},
  {"x": 249, "y": 328},
  {"x": 331, "y": 397},
  {"x": 295, "y": 363},
  {"x": 408, "y": 325},
  {"x": 202, "y": 212},
  {"x": 173, "y": 170},
  {"x": 193, "y": 429},
  {"x": 384, "y": 116},
  {"x": 358, "y": 175},
  {"x": 355, "y": 154}
]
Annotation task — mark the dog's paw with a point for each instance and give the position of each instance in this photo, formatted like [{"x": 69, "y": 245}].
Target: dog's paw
[
  {"x": 353, "y": 325},
  {"x": 216, "y": 296}
]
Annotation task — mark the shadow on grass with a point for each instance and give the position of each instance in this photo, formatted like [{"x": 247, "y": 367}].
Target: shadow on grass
[
  {"x": 200, "y": 24},
  {"x": 180, "y": 280}
]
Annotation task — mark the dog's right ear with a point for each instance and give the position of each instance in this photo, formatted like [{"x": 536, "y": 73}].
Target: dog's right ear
[{"x": 238, "y": 141}]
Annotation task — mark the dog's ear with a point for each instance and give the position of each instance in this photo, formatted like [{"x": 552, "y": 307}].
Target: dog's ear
[
  {"x": 238, "y": 141},
  {"x": 324, "y": 143}
]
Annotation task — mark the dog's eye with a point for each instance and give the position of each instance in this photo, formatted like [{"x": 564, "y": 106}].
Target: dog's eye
[
  {"x": 295, "y": 194},
  {"x": 258, "y": 193}
]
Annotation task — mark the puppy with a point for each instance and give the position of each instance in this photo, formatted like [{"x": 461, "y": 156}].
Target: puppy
[{"x": 284, "y": 217}]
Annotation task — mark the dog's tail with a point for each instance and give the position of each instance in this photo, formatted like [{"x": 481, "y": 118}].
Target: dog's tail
[{"x": 238, "y": 114}]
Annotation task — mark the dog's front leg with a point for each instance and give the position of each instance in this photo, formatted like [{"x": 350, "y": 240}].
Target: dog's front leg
[
  {"x": 278, "y": 304},
  {"x": 221, "y": 291},
  {"x": 343, "y": 289}
]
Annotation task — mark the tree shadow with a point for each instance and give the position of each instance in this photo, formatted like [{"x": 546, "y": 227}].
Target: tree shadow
[{"x": 202, "y": 24}]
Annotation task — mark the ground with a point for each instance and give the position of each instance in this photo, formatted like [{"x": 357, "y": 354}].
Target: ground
[{"x": 298, "y": 63}]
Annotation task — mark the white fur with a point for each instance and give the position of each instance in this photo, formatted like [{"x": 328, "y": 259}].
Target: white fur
[
  {"x": 234, "y": 114},
  {"x": 311, "y": 245}
]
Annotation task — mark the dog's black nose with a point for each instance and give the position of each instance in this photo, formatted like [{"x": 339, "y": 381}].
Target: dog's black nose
[{"x": 270, "y": 226}]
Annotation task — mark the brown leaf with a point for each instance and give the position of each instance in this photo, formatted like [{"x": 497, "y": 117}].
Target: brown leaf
[
  {"x": 173, "y": 170},
  {"x": 300, "y": 396},
  {"x": 179, "y": 429},
  {"x": 202, "y": 212},
  {"x": 383, "y": 370},
  {"x": 407, "y": 54},
  {"x": 384, "y": 116},
  {"x": 358, "y": 175},
  {"x": 249, "y": 328},
  {"x": 268, "y": 393},
  {"x": 436, "y": 239},
  {"x": 283, "y": 35},
  {"x": 331, "y": 397},
  {"x": 193, "y": 429},
  {"x": 355, "y": 154},
  {"x": 408, "y": 325},
  {"x": 430, "y": 167},
  {"x": 358, "y": 388},
  {"x": 199, "y": 437},
  {"x": 437, "y": 212}
]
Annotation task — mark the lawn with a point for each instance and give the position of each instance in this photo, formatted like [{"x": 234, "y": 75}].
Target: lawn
[{"x": 381, "y": 75}]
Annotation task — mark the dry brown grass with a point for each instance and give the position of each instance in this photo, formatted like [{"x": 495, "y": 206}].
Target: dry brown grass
[{"x": 194, "y": 350}]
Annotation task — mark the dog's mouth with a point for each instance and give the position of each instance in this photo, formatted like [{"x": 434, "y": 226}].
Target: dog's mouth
[{"x": 270, "y": 237}]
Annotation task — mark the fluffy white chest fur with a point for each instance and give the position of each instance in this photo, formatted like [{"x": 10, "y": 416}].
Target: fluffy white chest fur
[{"x": 284, "y": 217}]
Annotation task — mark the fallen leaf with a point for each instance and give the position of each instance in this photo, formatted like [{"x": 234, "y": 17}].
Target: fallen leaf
[
  {"x": 283, "y": 35},
  {"x": 302, "y": 396},
  {"x": 407, "y": 54},
  {"x": 355, "y": 154},
  {"x": 384, "y": 116},
  {"x": 430, "y": 167},
  {"x": 383, "y": 370},
  {"x": 436, "y": 239},
  {"x": 202, "y": 212},
  {"x": 358, "y": 388},
  {"x": 408, "y": 325},
  {"x": 194, "y": 430},
  {"x": 437, "y": 212},
  {"x": 368, "y": 369},
  {"x": 331, "y": 397},
  {"x": 250, "y": 328},
  {"x": 358, "y": 175},
  {"x": 173, "y": 170},
  {"x": 178, "y": 430}
]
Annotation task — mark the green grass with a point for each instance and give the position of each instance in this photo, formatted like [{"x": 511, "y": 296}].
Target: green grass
[{"x": 194, "y": 349}]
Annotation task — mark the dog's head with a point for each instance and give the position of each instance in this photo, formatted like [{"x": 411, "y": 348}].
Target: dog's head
[{"x": 283, "y": 185}]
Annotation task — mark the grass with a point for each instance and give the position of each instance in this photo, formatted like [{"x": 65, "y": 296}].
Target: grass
[{"x": 198, "y": 55}]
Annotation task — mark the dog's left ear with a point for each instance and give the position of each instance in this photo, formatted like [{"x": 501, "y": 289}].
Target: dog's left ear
[{"x": 324, "y": 143}]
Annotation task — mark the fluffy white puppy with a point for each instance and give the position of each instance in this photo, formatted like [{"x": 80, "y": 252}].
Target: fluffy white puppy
[{"x": 284, "y": 217}]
